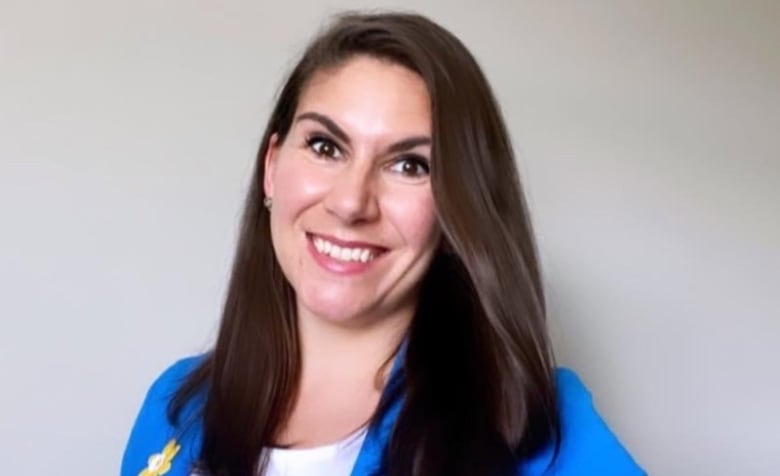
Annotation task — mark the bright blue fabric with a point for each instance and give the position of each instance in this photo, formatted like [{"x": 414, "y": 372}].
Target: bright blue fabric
[{"x": 588, "y": 447}]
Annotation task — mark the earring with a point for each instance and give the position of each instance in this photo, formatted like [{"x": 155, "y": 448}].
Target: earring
[{"x": 267, "y": 202}]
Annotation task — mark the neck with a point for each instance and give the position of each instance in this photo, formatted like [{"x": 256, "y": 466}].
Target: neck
[{"x": 333, "y": 348}]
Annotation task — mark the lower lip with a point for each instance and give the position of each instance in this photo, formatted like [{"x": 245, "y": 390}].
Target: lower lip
[{"x": 343, "y": 268}]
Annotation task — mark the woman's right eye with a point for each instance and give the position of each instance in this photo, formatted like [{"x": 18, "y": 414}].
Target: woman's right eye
[{"x": 323, "y": 147}]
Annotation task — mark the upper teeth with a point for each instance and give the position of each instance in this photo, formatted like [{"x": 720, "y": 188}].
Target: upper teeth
[{"x": 342, "y": 253}]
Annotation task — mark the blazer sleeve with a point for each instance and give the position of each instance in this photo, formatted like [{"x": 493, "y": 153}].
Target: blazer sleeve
[
  {"x": 588, "y": 446},
  {"x": 154, "y": 442}
]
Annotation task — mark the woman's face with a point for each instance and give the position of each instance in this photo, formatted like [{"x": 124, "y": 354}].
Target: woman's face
[{"x": 353, "y": 221}]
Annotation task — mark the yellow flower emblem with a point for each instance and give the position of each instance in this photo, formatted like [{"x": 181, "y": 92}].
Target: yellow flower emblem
[{"x": 160, "y": 463}]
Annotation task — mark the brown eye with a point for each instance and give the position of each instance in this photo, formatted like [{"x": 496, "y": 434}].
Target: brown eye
[
  {"x": 324, "y": 147},
  {"x": 411, "y": 166}
]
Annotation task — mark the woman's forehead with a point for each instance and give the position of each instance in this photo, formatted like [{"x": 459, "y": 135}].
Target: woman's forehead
[{"x": 370, "y": 97}]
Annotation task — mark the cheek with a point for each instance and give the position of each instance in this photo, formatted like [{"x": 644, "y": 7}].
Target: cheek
[
  {"x": 296, "y": 184},
  {"x": 414, "y": 216}
]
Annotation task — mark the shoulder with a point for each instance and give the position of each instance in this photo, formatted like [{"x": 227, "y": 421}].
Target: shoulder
[
  {"x": 588, "y": 446},
  {"x": 154, "y": 439}
]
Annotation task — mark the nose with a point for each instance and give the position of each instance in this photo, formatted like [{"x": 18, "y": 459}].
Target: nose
[{"x": 352, "y": 195}]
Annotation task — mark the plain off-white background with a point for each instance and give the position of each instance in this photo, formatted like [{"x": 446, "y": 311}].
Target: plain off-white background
[{"x": 648, "y": 135}]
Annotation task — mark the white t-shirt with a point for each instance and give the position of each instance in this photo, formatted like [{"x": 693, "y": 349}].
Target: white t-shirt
[{"x": 336, "y": 459}]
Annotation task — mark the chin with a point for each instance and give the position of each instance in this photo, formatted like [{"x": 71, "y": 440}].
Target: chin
[{"x": 331, "y": 307}]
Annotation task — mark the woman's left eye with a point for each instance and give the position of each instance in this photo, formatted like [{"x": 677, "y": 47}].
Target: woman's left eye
[{"x": 411, "y": 166}]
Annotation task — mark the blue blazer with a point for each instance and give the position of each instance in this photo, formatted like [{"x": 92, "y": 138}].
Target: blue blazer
[{"x": 588, "y": 447}]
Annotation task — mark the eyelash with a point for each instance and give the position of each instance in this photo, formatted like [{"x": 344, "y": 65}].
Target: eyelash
[
  {"x": 316, "y": 141},
  {"x": 313, "y": 141},
  {"x": 416, "y": 160}
]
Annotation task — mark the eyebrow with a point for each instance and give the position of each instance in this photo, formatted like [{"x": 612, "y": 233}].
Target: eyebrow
[{"x": 338, "y": 132}]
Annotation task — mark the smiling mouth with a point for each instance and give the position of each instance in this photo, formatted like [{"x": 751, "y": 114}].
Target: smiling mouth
[{"x": 344, "y": 252}]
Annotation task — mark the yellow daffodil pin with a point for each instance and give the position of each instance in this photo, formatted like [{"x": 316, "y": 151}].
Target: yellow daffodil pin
[{"x": 160, "y": 463}]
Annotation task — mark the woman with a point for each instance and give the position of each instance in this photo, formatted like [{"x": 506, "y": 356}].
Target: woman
[{"x": 385, "y": 313}]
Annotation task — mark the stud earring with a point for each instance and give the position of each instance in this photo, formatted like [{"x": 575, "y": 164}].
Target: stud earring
[{"x": 267, "y": 202}]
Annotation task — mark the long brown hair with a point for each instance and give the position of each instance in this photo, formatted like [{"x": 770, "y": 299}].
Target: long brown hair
[{"x": 478, "y": 371}]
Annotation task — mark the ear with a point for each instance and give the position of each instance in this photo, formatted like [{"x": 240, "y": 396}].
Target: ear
[{"x": 269, "y": 165}]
